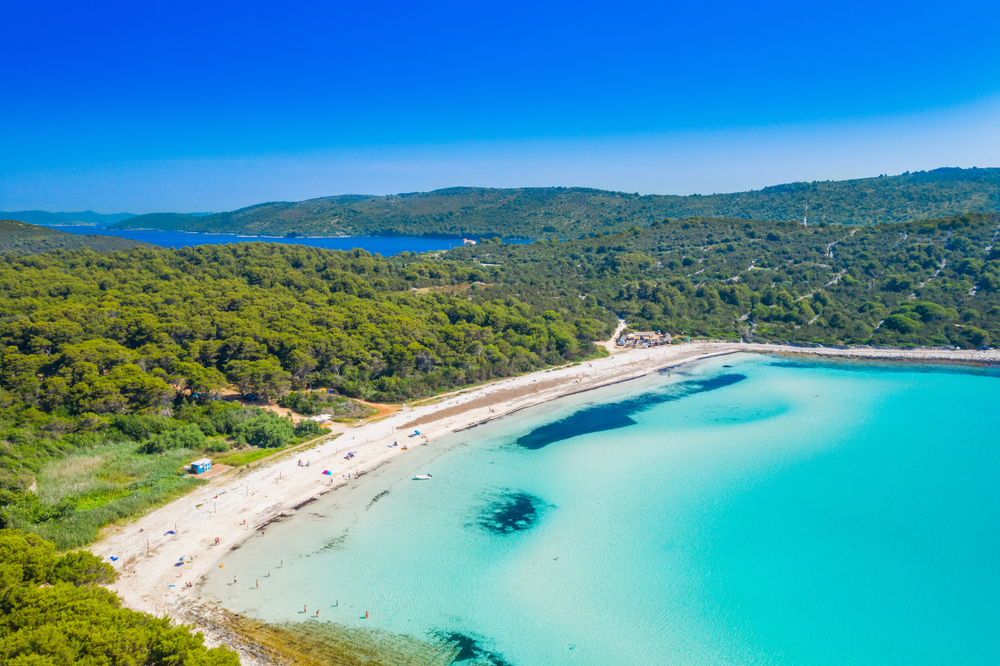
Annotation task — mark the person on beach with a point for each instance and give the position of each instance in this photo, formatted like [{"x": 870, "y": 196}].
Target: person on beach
[
  {"x": 258, "y": 584},
  {"x": 268, "y": 574},
  {"x": 234, "y": 580},
  {"x": 282, "y": 564}
]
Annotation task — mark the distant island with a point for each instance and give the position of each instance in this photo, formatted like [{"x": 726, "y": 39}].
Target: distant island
[
  {"x": 17, "y": 236},
  {"x": 562, "y": 212},
  {"x": 87, "y": 218}
]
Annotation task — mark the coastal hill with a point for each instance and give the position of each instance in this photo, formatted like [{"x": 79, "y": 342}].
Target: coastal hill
[
  {"x": 87, "y": 218},
  {"x": 572, "y": 212},
  {"x": 17, "y": 236}
]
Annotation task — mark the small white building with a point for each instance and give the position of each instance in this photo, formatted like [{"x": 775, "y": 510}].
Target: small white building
[
  {"x": 199, "y": 466},
  {"x": 468, "y": 241}
]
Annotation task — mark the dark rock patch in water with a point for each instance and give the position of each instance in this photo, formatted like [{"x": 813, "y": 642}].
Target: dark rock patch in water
[
  {"x": 336, "y": 543},
  {"x": 469, "y": 649},
  {"x": 377, "y": 498},
  {"x": 592, "y": 419},
  {"x": 513, "y": 512},
  {"x": 600, "y": 418}
]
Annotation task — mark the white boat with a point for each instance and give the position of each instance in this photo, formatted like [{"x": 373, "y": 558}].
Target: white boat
[{"x": 422, "y": 477}]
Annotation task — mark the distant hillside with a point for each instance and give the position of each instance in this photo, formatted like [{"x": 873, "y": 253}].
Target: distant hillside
[
  {"x": 572, "y": 212},
  {"x": 17, "y": 236},
  {"x": 160, "y": 221},
  {"x": 87, "y": 217}
]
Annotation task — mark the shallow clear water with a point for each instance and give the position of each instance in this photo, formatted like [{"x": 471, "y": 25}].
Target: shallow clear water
[
  {"x": 384, "y": 245},
  {"x": 765, "y": 513}
]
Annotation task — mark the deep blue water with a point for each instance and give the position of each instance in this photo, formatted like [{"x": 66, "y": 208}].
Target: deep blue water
[{"x": 383, "y": 245}]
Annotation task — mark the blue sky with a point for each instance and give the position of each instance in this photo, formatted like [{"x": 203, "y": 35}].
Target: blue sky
[{"x": 181, "y": 106}]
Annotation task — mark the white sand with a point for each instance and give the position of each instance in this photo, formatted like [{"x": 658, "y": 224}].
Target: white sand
[{"x": 254, "y": 496}]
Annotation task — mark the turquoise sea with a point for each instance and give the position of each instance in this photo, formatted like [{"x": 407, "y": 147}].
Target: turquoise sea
[{"x": 743, "y": 510}]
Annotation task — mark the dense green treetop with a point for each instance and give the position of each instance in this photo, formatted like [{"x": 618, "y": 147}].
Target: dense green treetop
[
  {"x": 570, "y": 212},
  {"x": 116, "y": 358},
  {"x": 934, "y": 282},
  {"x": 53, "y": 613}
]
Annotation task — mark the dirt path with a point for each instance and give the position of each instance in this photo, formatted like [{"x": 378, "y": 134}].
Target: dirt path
[{"x": 383, "y": 409}]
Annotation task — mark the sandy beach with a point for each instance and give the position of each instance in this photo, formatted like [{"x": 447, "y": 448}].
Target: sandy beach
[{"x": 239, "y": 503}]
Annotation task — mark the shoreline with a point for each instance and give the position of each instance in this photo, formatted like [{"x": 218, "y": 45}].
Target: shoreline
[{"x": 236, "y": 504}]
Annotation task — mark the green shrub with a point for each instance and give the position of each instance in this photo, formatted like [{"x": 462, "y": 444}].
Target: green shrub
[
  {"x": 216, "y": 446},
  {"x": 267, "y": 431},
  {"x": 306, "y": 428},
  {"x": 184, "y": 437},
  {"x": 138, "y": 427},
  {"x": 901, "y": 323}
]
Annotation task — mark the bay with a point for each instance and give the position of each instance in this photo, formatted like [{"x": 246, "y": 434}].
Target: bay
[
  {"x": 383, "y": 245},
  {"x": 746, "y": 510}
]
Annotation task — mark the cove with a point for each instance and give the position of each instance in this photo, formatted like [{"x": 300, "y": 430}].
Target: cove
[
  {"x": 383, "y": 245},
  {"x": 821, "y": 514}
]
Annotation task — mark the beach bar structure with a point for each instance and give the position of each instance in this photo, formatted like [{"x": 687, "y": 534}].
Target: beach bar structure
[
  {"x": 645, "y": 339},
  {"x": 199, "y": 466}
]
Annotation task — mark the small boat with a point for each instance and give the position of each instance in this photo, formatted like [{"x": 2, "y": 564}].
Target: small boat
[{"x": 422, "y": 477}]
